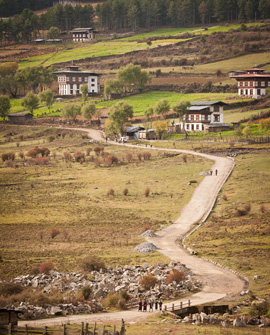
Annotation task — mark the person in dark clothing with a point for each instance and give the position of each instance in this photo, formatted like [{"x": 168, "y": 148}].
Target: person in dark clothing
[
  {"x": 140, "y": 306},
  {"x": 156, "y": 305},
  {"x": 216, "y": 172},
  {"x": 145, "y": 306},
  {"x": 160, "y": 305}
]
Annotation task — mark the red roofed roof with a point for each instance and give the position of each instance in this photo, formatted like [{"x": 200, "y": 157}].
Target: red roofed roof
[{"x": 252, "y": 75}]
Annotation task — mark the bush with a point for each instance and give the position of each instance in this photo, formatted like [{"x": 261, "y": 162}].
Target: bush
[
  {"x": 146, "y": 156},
  {"x": 184, "y": 157},
  {"x": 259, "y": 309},
  {"x": 33, "y": 152},
  {"x": 148, "y": 281},
  {"x": 97, "y": 150},
  {"x": 247, "y": 207},
  {"x": 46, "y": 267},
  {"x": 146, "y": 192},
  {"x": 21, "y": 155},
  {"x": 8, "y": 289},
  {"x": 54, "y": 232},
  {"x": 41, "y": 160},
  {"x": 79, "y": 156},
  {"x": 67, "y": 156},
  {"x": 51, "y": 138},
  {"x": 262, "y": 209},
  {"x": 44, "y": 152},
  {"x": 88, "y": 150},
  {"x": 125, "y": 191},
  {"x": 225, "y": 197},
  {"x": 110, "y": 192},
  {"x": 128, "y": 156},
  {"x": 175, "y": 275},
  {"x": 97, "y": 162},
  {"x": 240, "y": 212},
  {"x": 86, "y": 291},
  {"x": 8, "y": 156},
  {"x": 92, "y": 263},
  {"x": 9, "y": 163},
  {"x": 139, "y": 155}
]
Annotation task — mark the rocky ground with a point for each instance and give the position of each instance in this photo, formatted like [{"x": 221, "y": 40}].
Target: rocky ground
[{"x": 101, "y": 283}]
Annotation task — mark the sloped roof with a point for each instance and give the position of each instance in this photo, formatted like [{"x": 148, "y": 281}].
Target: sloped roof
[
  {"x": 19, "y": 114},
  {"x": 197, "y": 108},
  {"x": 207, "y": 103}
]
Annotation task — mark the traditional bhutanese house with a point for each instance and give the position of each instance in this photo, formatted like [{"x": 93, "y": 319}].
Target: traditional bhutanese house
[
  {"x": 133, "y": 132},
  {"x": 20, "y": 117},
  {"x": 252, "y": 83},
  {"x": 71, "y": 80},
  {"x": 8, "y": 316},
  {"x": 204, "y": 116},
  {"x": 83, "y": 35}
]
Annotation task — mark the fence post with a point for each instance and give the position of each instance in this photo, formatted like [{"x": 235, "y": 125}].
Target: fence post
[
  {"x": 165, "y": 307},
  {"x": 64, "y": 329},
  {"x": 181, "y": 305},
  {"x": 189, "y": 303},
  {"x": 114, "y": 329},
  {"x": 82, "y": 329},
  {"x": 103, "y": 330},
  {"x": 86, "y": 329},
  {"x": 95, "y": 328},
  {"x": 26, "y": 330},
  {"x": 9, "y": 328},
  {"x": 172, "y": 307},
  {"x": 45, "y": 330}
]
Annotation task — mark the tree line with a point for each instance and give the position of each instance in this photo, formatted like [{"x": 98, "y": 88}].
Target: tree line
[
  {"x": 133, "y": 14},
  {"x": 27, "y": 26}
]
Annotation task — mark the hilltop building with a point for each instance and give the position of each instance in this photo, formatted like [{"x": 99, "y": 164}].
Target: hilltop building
[
  {"x": 83, "y": 35},
  {"x": 71, "y": 80},
  {"x": 253, "y": 82},
  {"x": 204, "y": 116}
]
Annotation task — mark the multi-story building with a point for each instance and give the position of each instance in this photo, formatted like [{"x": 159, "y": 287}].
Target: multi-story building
[
  {"x": 252, "y": 83},
  {"x": 204, "y": 116},
  {"x": 83, "y": 34},
  {"x": 71, "y": 80}
]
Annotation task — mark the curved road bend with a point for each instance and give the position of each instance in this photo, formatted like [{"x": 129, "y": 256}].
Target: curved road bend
[{"x": 218, "y": 283}]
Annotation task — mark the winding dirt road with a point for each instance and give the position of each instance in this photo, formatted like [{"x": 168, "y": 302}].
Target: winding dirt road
[{"x": 218, "y": 283}]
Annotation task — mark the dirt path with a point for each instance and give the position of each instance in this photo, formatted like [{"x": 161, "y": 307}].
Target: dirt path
[{"x": 218, "y": 283}]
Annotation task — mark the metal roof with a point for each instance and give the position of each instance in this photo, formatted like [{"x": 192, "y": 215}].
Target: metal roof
[
  {"x": 82, "y": 72},
  {"x": 197, "y": 108},
  {"x": 207, "y": 103},
  {"x": 134, "y": 129},
  {"x": 20, "y": 114}
]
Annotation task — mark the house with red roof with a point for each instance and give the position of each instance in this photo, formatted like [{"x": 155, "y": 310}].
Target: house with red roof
[{"x": 253, "y": 82}]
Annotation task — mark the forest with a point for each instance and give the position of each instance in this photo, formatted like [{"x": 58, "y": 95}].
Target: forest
[{"x": 133, "y": 14}]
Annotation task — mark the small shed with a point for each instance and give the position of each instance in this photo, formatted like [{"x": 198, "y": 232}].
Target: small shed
[
  {"x": 147, "y": 135},
  {"x": 8, "y": 316},
  {"x": 213, "y": 128},
  {"x": 20, "y": 117},
  {"x": 133, "y": 132}
]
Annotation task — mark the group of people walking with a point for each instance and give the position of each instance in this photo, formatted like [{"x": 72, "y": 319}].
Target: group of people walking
[{"x": 151, "y": 304}]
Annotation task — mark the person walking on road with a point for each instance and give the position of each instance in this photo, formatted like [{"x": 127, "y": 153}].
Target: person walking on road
[
  {"x": 216, "y": 172},
  {"x": 140, "y": 306}
]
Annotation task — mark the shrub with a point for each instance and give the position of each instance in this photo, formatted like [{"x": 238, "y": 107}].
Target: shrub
[
  {"x": 262, "y": 209},
  {"x": 225, "y": 197},
  {"x": 54, "y": 232},
  {"x": 51, "y": 138},
  {"x": 148, "y": 281},
  {"x": 110, "y": 192},
  {"x": 33, "y": 152},
  {"x": 79, "y": 156},
  {"x": 88, "y": 150},
  {"x": 146, "y": 192},
  {"x": 146, "y": 156},
  {"x": 97, "y": 162},
  {"x": 64, "y": 133},
  {"x": 139, "y": 155},
  {"x": 67, "y": 156},
  {"x": 54, "y": 155},
  {"x": 9, "y": 163},
  {"x": 218, "y": 73},
  {"x": 86, "y": 291},
  {"x": 92, "y": 263},
  {"x": 41, "y": 235},
  {"x": 247, "y": 207},
  {"x": 97, "y": 150},
  {"x": 128, "y": 156},
  {"x": 44, "y": 152},
  {"x": 21, "y": 155},
  {"x": 146, "y": 226},
  {"x": 125, "y": 191},
  {"x": 8, "y": 156},
  {"x": 175, "y": 275},
  {"x": 184, "y": 157},
  {"x": 259, "y": 309},
  {"x": 240, "y": 212},
  {"x": 231, "y": 144},
  {"x": 46, "y": 267},
  {"x": 8, "y": 289}
]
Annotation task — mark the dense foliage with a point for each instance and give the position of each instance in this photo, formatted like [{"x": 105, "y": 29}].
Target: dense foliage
[{"x": 117, "y": 14}]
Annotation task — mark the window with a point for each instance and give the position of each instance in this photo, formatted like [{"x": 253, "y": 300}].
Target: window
[
  {"x": 244, "y": 84},
  {"x": 187, "y": 126},
  {"x": 203, "y": 117},
  {"x": 239, "y": 83},
  {"x": 248, "y": 83},
  {"x": 263, "y": 83},
  {"x": 92, "y": 84},
  {"x": 67, "y": 78},
  {"x": 80, "y": 79},
  {"x": 268, "y": 83},
  {"x": 93, "y": 79},
  {"x": 85, "y": 79},
  {"x": 209, "y": 117},
  {"x": 73, "y": 78},
  {"x": 256, "y": 83}
]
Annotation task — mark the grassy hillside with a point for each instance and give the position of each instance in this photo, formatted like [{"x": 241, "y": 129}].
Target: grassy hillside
[{"x": 38, "y": 195}]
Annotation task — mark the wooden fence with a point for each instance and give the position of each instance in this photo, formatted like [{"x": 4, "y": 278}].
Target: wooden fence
[
  {"x": 85, "y": 329},
  {"x": 175, "y": 307}
]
